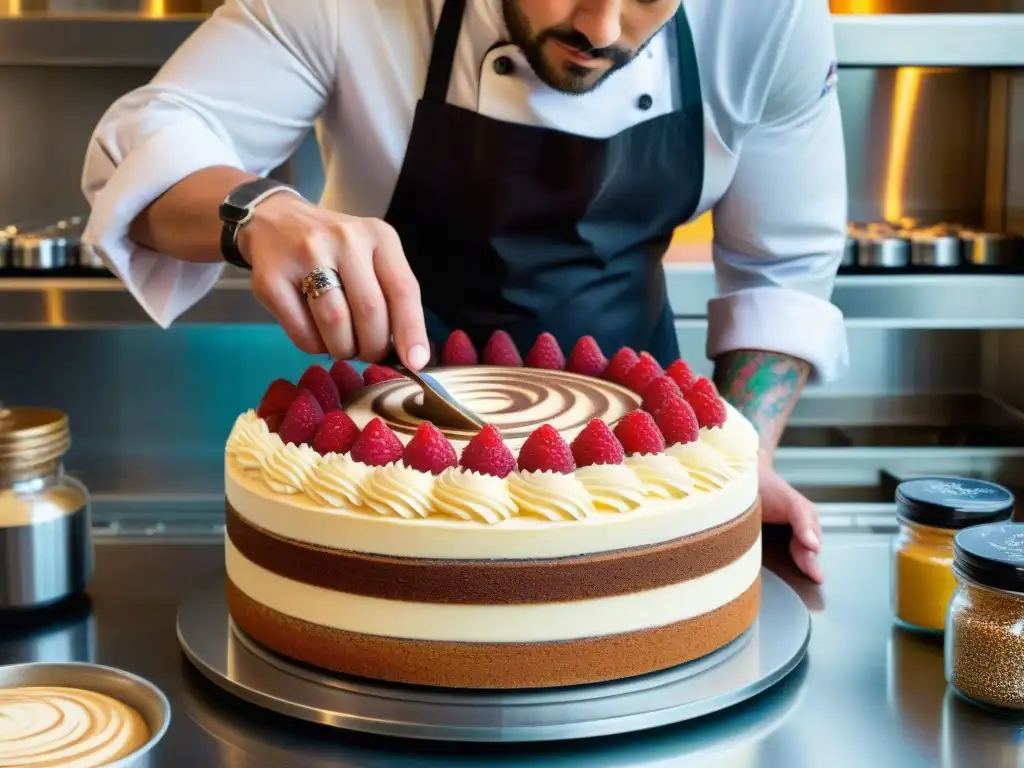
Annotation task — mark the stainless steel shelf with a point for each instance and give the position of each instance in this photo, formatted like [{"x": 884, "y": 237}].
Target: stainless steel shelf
[
  {"x": 913, "y": 39},
  {"x": 930, "y": 39},
  {"x": 890, "y": 301},
  {"x": 122, "y": 40},
  {"x": 898, "y": 301},
  {"x": 100, "y": 302}
]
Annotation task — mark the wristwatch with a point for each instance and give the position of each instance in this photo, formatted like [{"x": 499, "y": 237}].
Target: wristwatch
[{"x": 238, "y": 208}]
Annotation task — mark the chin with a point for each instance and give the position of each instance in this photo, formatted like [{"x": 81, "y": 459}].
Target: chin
[{"x": 566, "y": 77}]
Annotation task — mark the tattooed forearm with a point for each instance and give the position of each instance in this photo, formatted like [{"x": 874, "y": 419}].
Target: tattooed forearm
[{"x": 764, "y": 387}]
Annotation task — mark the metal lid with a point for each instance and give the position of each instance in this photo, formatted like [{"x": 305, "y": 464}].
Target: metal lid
[
  {"x": 992, "y": 555},
  {"x": 32, "y": 436},
  {"x": 952, "y": 502}
]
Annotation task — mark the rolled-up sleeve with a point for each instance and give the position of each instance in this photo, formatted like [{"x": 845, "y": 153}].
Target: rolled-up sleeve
[
  {"x": 780, "y": 227},
  {"x": 241, "y": 92}
]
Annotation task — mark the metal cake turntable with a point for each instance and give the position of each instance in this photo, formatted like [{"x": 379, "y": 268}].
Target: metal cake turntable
[{"x": 754, "y": 662}]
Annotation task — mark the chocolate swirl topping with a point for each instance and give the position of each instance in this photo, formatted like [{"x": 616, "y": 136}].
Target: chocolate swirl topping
[{"x": 516, "y": 400}]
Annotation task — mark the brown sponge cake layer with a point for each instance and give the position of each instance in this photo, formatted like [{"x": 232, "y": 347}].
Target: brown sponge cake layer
[
  {"x": 498, "y": 582},
  {"x": 495, "y": 665}
]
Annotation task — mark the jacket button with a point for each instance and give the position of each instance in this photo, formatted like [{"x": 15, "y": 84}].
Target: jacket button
[
  {"x": 503, "y": 65},
  {"x": 645, "y": 102}
]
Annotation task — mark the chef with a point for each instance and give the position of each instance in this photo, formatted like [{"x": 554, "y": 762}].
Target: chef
[{"x": 499, "y": 164}]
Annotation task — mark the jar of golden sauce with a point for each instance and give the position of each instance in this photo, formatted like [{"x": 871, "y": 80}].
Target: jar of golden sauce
[{"x": 930, "y": 512}]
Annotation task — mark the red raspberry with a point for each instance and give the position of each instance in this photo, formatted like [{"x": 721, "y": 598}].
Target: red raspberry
[
  {"x": 643, "y": 373},
  {"x": 639, "y": 434},
  {"x": 377, "y": 445},
  {"x": 274, "y": 421},
  {"x": 677, "y": 421},
  {"x": 706, "y": 403},
  {"x": 546, "y": 353},
  {"x": 657, "y": 392},
  {"x": 459, "y": 350},
  {"x": 501, "y": 350},
  {"x": 375, "y": 374},
  {"x": 302, "y": 419},
  {"x": 279, "y": 395},
  {"x": 681, "y": 374},
  {"x": 318, "y": 381},
  {"x": 596, "y": 444},
  {"x": 621, "y": 364},
  {"x": 346, "y": 379},
  {"x": 587, "y": 358},
  {"x": 429, "y": 451},
  {"x": 546, "y": 451},
  {"x": 487, "y": 454},
  {"x": 336, "y": 434}
]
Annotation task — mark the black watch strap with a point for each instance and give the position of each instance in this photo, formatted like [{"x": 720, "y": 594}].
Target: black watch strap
[{"x": 237, "y": 209}]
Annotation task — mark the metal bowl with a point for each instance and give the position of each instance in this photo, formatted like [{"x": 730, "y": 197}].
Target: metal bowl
[{"x": 148, "y": 700}]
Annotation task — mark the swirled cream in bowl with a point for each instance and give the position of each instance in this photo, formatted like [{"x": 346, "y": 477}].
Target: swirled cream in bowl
[{"x": 78, "y": 716}]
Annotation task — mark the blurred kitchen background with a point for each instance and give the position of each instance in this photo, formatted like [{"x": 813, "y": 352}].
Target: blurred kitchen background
[{"x": 932, "y": 93}]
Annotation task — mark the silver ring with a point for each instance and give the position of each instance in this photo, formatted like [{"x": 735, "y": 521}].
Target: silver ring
[{"x": 320, "y": 281}]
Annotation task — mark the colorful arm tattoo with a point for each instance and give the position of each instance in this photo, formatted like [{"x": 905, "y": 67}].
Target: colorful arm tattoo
[{"x": 764, "y": 387}]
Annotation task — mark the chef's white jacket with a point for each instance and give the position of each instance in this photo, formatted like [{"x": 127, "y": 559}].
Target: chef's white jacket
[{"x": 247, "y": 86}]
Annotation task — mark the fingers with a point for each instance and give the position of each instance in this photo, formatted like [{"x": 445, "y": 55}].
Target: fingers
[
  {"x": 806, "y": 527},
  {"x": 333, "y": 318},
  {"x": 806, "y": 541},
  {"x": 288, "y": 306},
  {"x": 378, "y": 299},
  {"x": 806, "y": 560},
  {"x": 402, "y": 294},
  {"x": 353, "y": 247},
  {"x": 330, "y": 309}
]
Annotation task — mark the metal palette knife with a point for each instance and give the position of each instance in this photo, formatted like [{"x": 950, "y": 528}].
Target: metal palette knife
[{"x": 439, "y": 405}]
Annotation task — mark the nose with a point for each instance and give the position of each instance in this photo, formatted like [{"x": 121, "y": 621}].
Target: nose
[{"x": 600, "y": 21}]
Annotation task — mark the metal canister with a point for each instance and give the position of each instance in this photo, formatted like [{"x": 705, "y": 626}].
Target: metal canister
[
  {"x": 890, "y": 252},
  {"x": 70, "y": 232},
  {"x": 45, "y": 521},
  {"x": 849, "y": 252},
  {"x": 7, "y": 236},
  {"x": 936, "y": 250},
  {"x": 987, "y": 249},
  {"x": 39, "y": 250}
]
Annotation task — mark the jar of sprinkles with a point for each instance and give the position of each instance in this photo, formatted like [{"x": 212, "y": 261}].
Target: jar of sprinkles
[
  {"x": 930, "y": 512},
  {"x": 985, "y": 627}
]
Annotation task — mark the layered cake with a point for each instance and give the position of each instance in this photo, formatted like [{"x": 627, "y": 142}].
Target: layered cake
[{"x": 604, "y": 524}]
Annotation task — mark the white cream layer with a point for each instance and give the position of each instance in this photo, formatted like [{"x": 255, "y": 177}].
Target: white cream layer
[
  {"x": 297, "y": 517},
  {"x": 494, "y": 623}
]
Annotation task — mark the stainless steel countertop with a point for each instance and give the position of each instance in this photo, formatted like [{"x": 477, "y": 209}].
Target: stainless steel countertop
[
  {"x": 867, "y": 301},
  {"x": 867, "y": 695}
]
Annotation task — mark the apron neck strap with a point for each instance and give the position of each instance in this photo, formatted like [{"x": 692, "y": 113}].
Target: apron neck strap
[
  {"x": 442, "y": 56},
  {"x": 446, "y": 41},
  {"x": 688, "y": 76}
]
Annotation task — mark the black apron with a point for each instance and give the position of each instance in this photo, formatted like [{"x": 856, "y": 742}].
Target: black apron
[{"x": 530, "y": 229}]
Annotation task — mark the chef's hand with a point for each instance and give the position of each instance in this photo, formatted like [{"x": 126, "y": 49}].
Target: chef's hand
[
  {"x": 781, "y": 503},
  {"x": 288, "y": 237}
]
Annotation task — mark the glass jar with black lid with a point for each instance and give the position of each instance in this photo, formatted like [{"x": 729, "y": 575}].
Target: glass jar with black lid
[
  {"x": 985, "y": 627},
  {"x": 930, "y": 511}
]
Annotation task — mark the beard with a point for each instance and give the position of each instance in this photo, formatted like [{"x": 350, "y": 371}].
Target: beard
[{"x": 568, "y": 77}]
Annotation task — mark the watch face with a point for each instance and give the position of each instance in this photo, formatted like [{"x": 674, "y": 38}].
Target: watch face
[{"x": 232, "y": 214}]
